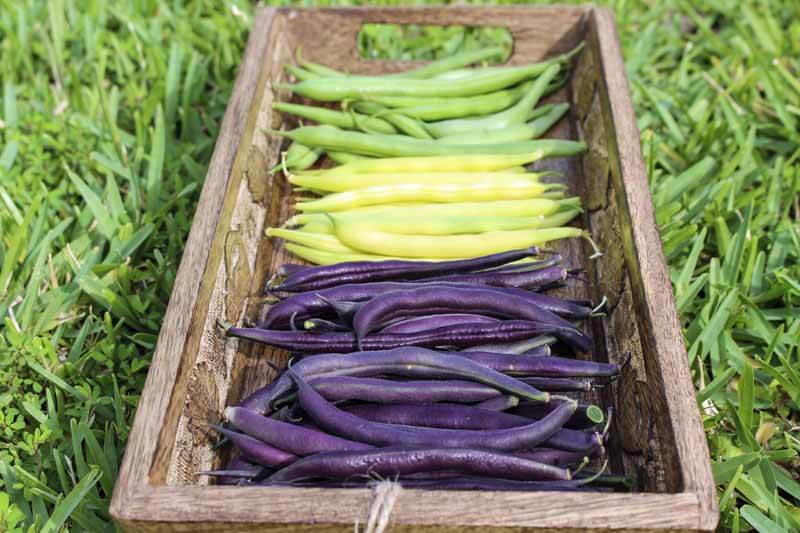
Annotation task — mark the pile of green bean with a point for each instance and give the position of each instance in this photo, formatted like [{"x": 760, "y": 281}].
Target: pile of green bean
[
  {"x": 431, "y": 161},
  {"x": 438, "y": 109}
]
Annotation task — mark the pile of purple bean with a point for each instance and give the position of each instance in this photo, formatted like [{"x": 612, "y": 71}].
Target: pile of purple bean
[{"x": 436, "y": 375}]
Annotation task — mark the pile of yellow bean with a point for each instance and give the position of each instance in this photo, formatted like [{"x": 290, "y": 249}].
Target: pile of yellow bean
[{"x": 432, "y": 208}]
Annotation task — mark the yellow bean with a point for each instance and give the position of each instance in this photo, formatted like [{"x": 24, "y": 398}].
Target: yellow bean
[
  {"x": 320, "y": 241},
  {"x": 362, "y": 237},
  {"x": 488, "y": 191},
  {"x": 441, "y": 163},
  {"x": 319, "y": 257},
  {"x": 531, "y": 207},
  {"x": 349, "y": 182}
]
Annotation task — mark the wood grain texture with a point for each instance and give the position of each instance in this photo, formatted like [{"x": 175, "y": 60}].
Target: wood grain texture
[
  {"x": 636, "y": 448},
  {"x": 656, "y": 438},
  {"x": 276, "y": 508},
  {"x": 329, "y": 35},
  {"x": 654, "y": 302}
]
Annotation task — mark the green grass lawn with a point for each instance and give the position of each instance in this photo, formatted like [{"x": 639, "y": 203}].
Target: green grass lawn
[{"x": 108, "y": 121}]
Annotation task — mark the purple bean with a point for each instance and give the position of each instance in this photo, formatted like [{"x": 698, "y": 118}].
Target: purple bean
[
  {"x": 487, "y": 302},
  {"x": 416, "y": 324},
  {"x": 236, "y": 470},
  {"x": 456, "y": 336},
  {"x": 400, "y": 461},
  {"x": 520, "y": 279},
  {"x": 562, "y": 308},
  {"x": 344, "y": 309},
  {"x": 556, "y": 457},
  {"x": 492, "y": 484},
  {"x": 575, "y": 441},
  {"x": 537, "y": 346},
  {"x": 407, "y": 361},
  {"x": 231, "y": 477},
  {"x": 536, "y": 351},
  {"x": 525, "y": 365},
  {"x": 443, "y": 416},
  {"x": 315, "y": 278},
  {"x": 314, "y": 303},
  {"x": 341, "y": 388},
  {"x": 559, "y": 384},
  {"x": 255, "y": 451},
  {"x": 287, "y": 269},
  {"x": 502, "y": 403},
  {"x": 288, "y": 437},
  {"x": 320, "y": 324},
  {"x": 553, "y": 260},
  {"x": 309, "y": 304},
  {"x": 456, "y": 416},
  {"x": 339, "y": 422},
  {"x": 586, "y": 416}
]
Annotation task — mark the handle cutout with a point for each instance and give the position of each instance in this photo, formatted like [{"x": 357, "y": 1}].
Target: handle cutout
[{"x": 409, "y": 42}]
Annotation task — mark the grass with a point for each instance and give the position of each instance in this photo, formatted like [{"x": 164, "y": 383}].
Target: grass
[{"x": 109, "y": 117}]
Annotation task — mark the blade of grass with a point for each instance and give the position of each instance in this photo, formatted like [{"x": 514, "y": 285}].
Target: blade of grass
[{"x": 66, "y": 507}]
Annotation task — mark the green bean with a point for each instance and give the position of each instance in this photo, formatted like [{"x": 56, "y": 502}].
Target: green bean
[
  {"x": 467, "y": 106},
  {"x": 349, "y": 182},
  {"x": 355, "y": 87},
  {"x": 455, "y": 74},
  {"x": 344, "y": 158},
  {"x": 332, "y": 138},
  {"x": 475, "y": 162},
  {"x": 401, "y": 102},
  {"x": 432, "y": 68},
  {"x": 540, "y": 111},
  {"x": 462, "y": 107},
  {"x": 342, "y": 201},
  {"x": 319, "y": 257},
  {"x": 542, "y": 124},
  {"x": 512, "y": 132},
  {"x": 350, "y": 120},
  {"x": 362, "y": 236},
  {"x": 509, "y": 134},
  {"x": 409, "y": 223},
  {"x": 455, "y": 61},
  {"x": 298, "y": 157},
  {"x": 318, "y": 241},
  {"x": 299, "y": 73},
  {"x": 321, "y": 71},
  {"x": 408, "y": 125},
  {"x": 412, "y": 101},
  {"x": 515, "y": 114},
  {"x": 461, "y": 73},
  {"x": 531, "y": 207},
  {"x": 316, "y": 68}
]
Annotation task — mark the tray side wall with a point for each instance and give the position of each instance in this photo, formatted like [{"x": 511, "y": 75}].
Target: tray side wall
[
  {"x": 684, "y": 445},
  {"x": 329, "y": 36}
]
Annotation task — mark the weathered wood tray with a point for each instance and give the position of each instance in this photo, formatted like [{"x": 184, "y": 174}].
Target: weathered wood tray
[{"x": 657, "y": 438}]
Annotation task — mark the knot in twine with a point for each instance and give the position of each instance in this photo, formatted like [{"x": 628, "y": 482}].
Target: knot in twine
[{"x": 384, "y": 496}]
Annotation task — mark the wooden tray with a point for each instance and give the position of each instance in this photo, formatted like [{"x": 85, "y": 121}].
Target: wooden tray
[{"x": 657, "y": 437}]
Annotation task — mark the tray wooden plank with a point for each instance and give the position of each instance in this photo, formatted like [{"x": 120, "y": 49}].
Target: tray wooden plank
[
  {"x": 657, "y": 437},
  {"x": 336, "y": 509}
]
